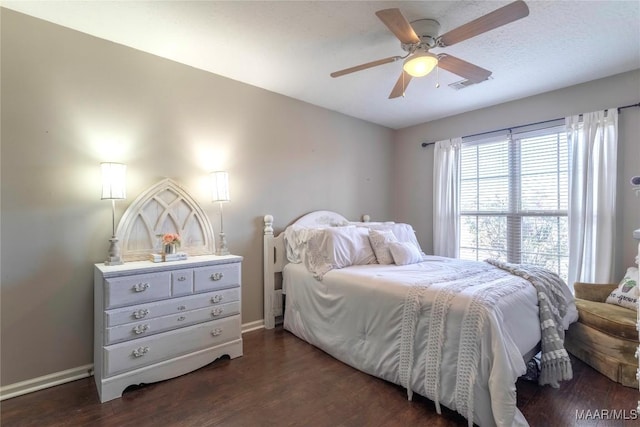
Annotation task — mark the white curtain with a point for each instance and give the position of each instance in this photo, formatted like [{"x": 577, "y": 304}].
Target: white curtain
[
  {"x": 446, "y": 198},
  {"x": 592, "y": 196}
]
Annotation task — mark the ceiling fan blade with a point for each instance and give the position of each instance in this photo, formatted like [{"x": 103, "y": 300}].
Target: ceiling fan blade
[
  {"x": 398, "y": 24},
  {"x": 463, "y": 68},
  {"x": 497, "y": 18},
  {"x": 401, "y": 85},
  {"x": 365, "y": 66}
]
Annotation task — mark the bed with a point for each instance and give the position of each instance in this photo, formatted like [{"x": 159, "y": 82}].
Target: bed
[{"x": 457, "y": 332}]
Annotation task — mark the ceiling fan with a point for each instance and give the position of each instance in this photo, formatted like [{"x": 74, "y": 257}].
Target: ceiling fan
[{"x": 418, "y": 37}]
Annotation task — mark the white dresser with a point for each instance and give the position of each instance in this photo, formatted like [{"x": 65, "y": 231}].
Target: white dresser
[{"x": 155, "y": 321}]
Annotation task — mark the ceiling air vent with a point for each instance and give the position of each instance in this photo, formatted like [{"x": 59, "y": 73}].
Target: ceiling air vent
[{"x": 466, "y": 83}]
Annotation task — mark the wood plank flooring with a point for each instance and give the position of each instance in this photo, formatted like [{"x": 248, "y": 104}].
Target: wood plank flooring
[{"x": 283, "y": 381}]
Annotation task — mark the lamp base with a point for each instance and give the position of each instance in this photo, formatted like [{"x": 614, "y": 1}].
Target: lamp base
[
  {"x": 114, "y": 261},
  {"x": 222, "y": 245},
  {"x": 114, "y": 253}
]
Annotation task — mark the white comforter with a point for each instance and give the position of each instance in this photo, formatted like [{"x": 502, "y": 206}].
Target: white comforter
[{"x": 412, "y": 325}]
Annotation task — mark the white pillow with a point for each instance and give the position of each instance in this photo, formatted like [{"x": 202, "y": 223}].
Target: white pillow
[
  {"x": 403, "y": 232},
  {"x": 626, "y": 294},
  {"x": 295, "y": 241},
  {"x": 337, "y": 247},
  {"x": 404, "y": 253},
  {"x": 380, "y": 241}
]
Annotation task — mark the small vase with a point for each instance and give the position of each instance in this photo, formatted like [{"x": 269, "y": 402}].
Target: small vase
[{"x": 170, "y": 248}]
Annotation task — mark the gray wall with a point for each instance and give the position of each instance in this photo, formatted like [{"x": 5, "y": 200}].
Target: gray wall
[
  {"x": 413, "y": 165},
  {"x": 71, "y": 101}
]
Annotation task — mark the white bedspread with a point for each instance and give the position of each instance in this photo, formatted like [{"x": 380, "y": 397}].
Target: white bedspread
[{"x": 358, "y": 315}]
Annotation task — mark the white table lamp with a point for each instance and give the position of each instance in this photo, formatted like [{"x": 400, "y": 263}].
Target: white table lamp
[
  {"x": 220, "y": 194},
  {"x": 113, "y": 188}
]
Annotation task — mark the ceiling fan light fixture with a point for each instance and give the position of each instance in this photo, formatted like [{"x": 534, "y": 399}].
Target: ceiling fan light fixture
[{"x": 420, "y": 64}]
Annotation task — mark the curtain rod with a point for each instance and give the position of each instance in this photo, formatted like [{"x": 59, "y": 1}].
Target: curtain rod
[{"x": 426, "y": 144}]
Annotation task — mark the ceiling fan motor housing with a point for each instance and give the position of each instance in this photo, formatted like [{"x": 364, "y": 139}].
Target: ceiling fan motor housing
[{"x": 427, "y": 31}]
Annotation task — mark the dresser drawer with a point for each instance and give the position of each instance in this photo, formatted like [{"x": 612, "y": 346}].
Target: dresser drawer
[
  {"x": 139, "y": 313},
  {"x": 162, "y": 324},
  {"x": 146, "y": 351},
  {"x": 135, "y": 289},
  {"x": 181, "y": 282},
  {"x": 217, "y": 277}
]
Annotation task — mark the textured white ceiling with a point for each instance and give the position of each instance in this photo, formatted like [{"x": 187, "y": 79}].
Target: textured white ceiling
[{"x": 290, "y": 47}]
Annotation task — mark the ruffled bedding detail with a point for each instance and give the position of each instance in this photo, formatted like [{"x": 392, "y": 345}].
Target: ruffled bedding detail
[{"x": 409, "y": 320}]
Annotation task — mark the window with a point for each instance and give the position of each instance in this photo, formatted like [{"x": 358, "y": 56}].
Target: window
[{"x": 514, "y": 198}]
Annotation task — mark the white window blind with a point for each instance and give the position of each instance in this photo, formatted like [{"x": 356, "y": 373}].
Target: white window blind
[{"x": 514, "y": 198}]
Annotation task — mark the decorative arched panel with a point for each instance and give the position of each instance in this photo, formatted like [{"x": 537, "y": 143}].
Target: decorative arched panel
[{"x": 164, "y": 208}]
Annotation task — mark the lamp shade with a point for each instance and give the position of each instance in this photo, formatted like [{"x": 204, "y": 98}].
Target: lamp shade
[
  {"x": 113, "y": 181},
  {"x": 220, "y": 186},
  {"x": 420, "y": 64}
]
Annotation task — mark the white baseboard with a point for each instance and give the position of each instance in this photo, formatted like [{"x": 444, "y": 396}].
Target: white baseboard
[
  {"x": 57, "y": 378},
  {"x": 253, "y": 326},
  {"x": 45, "y": 381}
]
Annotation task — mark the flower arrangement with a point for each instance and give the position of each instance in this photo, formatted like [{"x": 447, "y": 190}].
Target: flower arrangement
[{"x": 171, "y": 239}]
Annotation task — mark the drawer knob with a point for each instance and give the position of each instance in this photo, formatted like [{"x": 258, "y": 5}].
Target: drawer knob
[
  {"x": 140, "y": 287},
  {"x": 141, "y": 329},
  {"x": 216, "y": 298},
  {"x": 182, "y": 279},
  {"x": 182, "y": 307},
  {"x": 139, "y": 314},
  {"x": 216, "y": 332},
  {"x": 217, "y": 276},
  {"x": 140, "y": 351},
  {"x": 217, "y": 312},
  {"x": 181, "y": 318}
]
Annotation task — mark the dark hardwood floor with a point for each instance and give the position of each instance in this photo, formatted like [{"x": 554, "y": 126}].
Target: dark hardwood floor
[{"x": 282, "y": 381}]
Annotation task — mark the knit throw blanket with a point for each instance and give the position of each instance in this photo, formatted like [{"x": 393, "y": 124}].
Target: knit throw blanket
[{"x": 555, "y": 364}]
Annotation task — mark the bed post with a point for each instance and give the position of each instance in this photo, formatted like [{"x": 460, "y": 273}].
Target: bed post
[{"x": 268, "y": 262}]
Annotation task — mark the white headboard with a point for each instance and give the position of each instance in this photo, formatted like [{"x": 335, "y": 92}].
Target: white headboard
[
  {"x": 164, "y": 208},
  {"x": 275, "y": 257}
]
